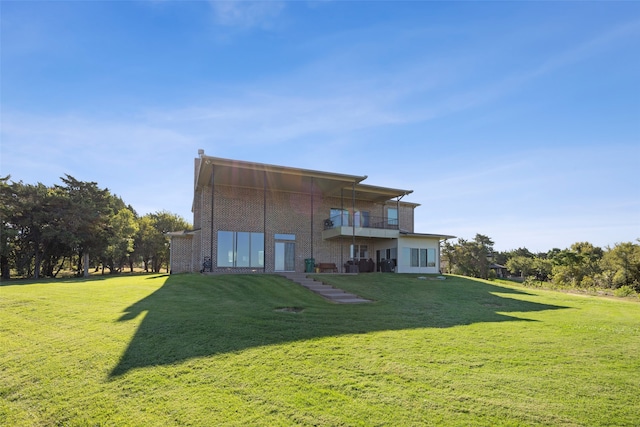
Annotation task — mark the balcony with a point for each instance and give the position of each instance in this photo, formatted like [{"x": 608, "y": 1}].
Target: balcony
[{"x": 365, "y": 226}]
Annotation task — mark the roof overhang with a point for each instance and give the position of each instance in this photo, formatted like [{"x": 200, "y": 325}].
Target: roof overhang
[
  {"x": 376, "y": 194},
  {"x": 423, "y": 235},
  {"x": 259, "y": 175},
  {"x": 185, "y": 233},
  {"x": 282, "y": 178}
]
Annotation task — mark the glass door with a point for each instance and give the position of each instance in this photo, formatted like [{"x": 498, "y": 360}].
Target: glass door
[{"x": 285, "y": 256}]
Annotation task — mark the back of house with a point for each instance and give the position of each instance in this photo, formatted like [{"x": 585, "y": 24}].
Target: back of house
[{"x": 254, "y": 217}]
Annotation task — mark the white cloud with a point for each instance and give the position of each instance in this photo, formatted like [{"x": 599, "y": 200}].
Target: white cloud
[
  {"x": 135, "y": 160},
  {"x": 247, "y": 14}
]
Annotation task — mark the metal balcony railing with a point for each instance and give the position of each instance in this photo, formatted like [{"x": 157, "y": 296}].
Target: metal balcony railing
[{"x": 363, "y": 221}]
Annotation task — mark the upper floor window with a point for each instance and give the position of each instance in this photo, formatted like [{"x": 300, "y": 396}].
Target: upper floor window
[
  {"x": 361, "y": 218},
  {"x": 392, "y": 216},
  {"x": 339, "y": 217}
]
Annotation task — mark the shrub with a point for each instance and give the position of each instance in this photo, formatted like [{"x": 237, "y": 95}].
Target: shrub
[
  {"x": 624, "y": 291},
  {"x": 531, "y": 282}
]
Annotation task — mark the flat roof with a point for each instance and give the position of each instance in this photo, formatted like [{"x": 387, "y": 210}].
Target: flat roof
[{"x": 439, "y": 236}]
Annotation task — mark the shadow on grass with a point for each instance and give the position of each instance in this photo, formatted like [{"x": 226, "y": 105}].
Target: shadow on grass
[
  {"x": 195, "y": 315},
  {"x": 94, "y": 277}
]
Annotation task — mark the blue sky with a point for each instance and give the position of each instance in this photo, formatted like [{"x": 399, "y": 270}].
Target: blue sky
[{"x": 517, "y": 120}]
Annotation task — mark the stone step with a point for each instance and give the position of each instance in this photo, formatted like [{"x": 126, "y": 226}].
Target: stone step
[{"x": 329, "y": 292}]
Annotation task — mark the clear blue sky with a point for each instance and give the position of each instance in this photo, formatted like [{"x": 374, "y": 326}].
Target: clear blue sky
[{"x": 517, "y": 120}]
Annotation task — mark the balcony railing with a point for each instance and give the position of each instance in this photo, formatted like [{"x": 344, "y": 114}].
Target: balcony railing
[{"x": 361, "y": 221}]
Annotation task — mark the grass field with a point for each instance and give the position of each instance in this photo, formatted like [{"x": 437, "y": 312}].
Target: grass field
[{"x": 258, "y": 350}]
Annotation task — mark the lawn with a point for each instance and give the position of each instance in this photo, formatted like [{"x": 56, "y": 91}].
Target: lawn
[{"x": 155, "y": 350}]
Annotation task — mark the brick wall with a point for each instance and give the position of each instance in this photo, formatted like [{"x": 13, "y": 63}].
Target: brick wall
[
  {"x": 251, "y": 210},
  {"x": 181, "y": 254}
]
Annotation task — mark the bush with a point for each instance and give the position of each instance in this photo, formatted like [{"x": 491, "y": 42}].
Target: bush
[
  {"x": 532, "y": 282},
  {"x": 624, "y": 291}
]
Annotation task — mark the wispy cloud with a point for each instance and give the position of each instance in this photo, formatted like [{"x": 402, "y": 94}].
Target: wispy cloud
[{"x": 247, "y": 14}]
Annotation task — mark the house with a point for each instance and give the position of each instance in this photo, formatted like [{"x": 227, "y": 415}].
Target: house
[
  {"x": 500, "y": 270},
  {"x": 254, "y": 217}
]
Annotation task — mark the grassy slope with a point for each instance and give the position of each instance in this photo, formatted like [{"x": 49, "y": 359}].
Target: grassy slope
[{"x": 198, "y": 350}]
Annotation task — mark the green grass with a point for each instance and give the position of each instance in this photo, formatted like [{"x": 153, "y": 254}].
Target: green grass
[{"x": 216, "y": 350}]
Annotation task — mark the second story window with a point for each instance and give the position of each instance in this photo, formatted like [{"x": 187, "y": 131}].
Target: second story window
[
  {"x": 361, "y": 218},
  {"x": 339, "y": 217},
  {"x": 392, "y": 216}
]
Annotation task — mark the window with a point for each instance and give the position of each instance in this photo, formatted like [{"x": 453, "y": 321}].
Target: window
[
  {"x": 392, "y": 216},
  {"x": 361, "y": 218},
  {"x": 359, "y": 251},
  {"x": 243, "y": 248},
  {"x": 285, "y": 236},
  {"x": 226, "y": 246},
  {"x": 240, "y": 249},
  {"x": 415, "y": 257},
  {"x": 422, "y": 257},
  {"x": 257, "y": 249},
  {"x": 339, "y": 217},
  {"x": 431, "y": 257}
]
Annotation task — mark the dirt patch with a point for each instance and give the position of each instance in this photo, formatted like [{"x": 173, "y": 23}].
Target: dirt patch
[{"x": 290, "y": 309}]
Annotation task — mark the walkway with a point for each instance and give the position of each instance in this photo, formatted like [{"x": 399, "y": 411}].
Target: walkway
[{"x": 329, "y": 292}]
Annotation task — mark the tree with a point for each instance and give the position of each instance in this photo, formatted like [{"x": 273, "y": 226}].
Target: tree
[
  {"x": 28, "y": 216},
  {"x": 7, "y": 231},
  {"x": 520, "y": 265},
  {"x": 122, "y": 230},
  {"x": 42, "y": 227},
  {"x": 90, "y": 208},
  {"x": 577, "y": 266},
  {"x": 621, "y": 266},
  {"x": 152, "y": 243},
  {"x": 470, "y": 258},
  {"x": 542, "y": 268},
  {"x": 144, "y": 243}
]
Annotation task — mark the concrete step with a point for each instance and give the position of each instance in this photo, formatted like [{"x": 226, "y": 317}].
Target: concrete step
[{"x": 326, "y": 291}]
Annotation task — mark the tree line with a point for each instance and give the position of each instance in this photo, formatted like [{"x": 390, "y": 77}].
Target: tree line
[
  {"x": 583, "y": 265},
  {"x": 77, "y": 225}
]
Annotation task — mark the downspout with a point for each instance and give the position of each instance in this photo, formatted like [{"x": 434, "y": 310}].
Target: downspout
[
  {"x": 398, "y": 254},
  {"x": 438, "y": 262},
  {"x": 312, "y": 191},
  {"x": 398, "y": 206},
  {"x": 212, "y": 212},
  {"x": 341, "y": 239},
  {"x": 353, "y": 221}
]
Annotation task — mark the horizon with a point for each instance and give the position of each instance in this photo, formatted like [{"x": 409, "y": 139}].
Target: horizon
[{"x": 518, "y": 121}]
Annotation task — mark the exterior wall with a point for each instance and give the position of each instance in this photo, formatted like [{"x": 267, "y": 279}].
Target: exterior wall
[
  {"x": 196, "y": 245},
  {"x": 406, "y": 217},
  {"x": 197, "y": 209},
  {"x": 404, "y": 259},
  {"x": 181, "y": 250},
  {"x": 301, "y": 214},
  {"x": 225, "y": 208},
  {"x": 405, "y": 214}
]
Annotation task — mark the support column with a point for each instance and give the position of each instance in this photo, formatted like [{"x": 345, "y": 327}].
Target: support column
[
  {"x": 212, "y": 218},
  {"x": 341, "y": 239},
  {"x": 312, "y": 194},
  {"x": 353, "y": 219}
]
